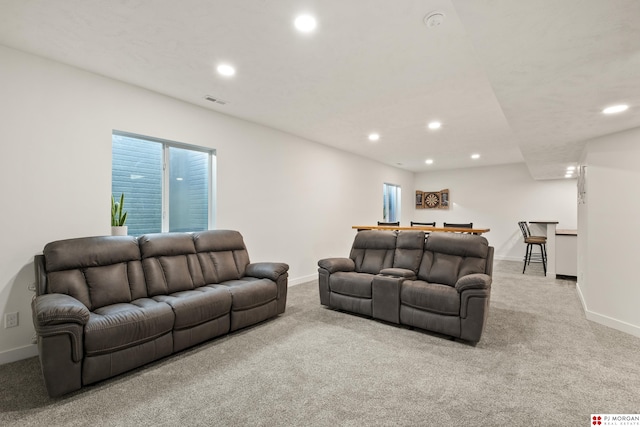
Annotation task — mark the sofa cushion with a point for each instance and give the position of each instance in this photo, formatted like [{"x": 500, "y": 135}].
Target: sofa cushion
[
  {"x": 444, "y": 269},
  {"x": 197, "y": 306},
  {"x": 108, "y": 284},
  {"x": 90, "y": 252},
  {"x": 222, "y": 255},
  {"x": 446, "y": 259},
  {"x": 373, "y": 250},
  {"x": 219, "y": 266},
  {"x": 463, "y": 245},
  {"x": 433, "y": 297},
  {"x": 166, "y": 244},
  {"x": 96, "y": 271},
  {"x": 409, "y": 250},
  {"x": 70, "y": 282},
  {"x": 170, "y": 263},
  {"x": 166, "y": 275},
  {"x": 351, "y": 284},
  {"x": 251, "y": 292},
  {"x": 119, "y": 326}
]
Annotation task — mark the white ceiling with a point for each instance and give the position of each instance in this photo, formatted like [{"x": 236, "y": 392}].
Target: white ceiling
[{"x": 512, "y": 80}]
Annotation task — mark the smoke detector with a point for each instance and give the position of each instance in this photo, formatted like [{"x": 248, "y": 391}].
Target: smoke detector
[{"x": 434, "y": 19}]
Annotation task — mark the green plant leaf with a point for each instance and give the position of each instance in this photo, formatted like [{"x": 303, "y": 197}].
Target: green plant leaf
[
  {"x": 113, "y": 211},
  {"x": 118, "y": 216}
]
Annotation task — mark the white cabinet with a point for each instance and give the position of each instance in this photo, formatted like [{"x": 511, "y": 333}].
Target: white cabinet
[{"x": 567, "y": 252}]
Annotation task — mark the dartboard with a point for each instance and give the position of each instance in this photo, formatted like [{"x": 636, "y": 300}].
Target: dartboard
[{"x": 432, "y": 200}]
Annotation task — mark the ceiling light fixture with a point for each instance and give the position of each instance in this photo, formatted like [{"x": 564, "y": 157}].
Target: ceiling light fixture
[
  {"x": 475, "y": 156},
  {"x": 571, "y": 168},
  {"x": 226, "y": 70},
  {"x": 434, "y": 19},
  {"x": 615, "y": 109},
  {"x": 435, "y": 125},
  {"x": 568, "y": 175},
  {"x": 305, "y": 23},
  {"x": 374, "y": 137},
  {"x": 429, "y": 161}
]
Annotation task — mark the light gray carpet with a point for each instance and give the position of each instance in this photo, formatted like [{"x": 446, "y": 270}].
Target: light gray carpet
[{"x": 540, "y": 362}]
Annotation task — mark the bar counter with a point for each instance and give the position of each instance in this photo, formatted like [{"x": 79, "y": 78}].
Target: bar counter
[{"x": 422, "y": 228}]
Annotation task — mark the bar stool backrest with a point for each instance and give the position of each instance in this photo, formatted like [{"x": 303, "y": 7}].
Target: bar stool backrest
[
  {"x": 524, "y": 228},
  {"x": 465, "y": 225}
]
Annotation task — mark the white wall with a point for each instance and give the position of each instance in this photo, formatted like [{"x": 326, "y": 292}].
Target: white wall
[
  {"x": 608, "y": 237},
  {"x": 294, "y": 200},
  {"x": 498, "y": 197}
]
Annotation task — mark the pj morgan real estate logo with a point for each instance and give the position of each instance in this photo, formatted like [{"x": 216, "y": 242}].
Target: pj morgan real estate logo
[{"x": 606, "y": 420}]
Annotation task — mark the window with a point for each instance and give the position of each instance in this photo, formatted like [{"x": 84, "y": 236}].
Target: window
[
  {"x": 390, "y": 202},
  {"x": 168, "y": 186}
]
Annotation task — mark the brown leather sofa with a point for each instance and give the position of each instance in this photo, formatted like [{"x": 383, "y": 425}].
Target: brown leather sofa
[
  {"x": 440, "y": 284},
  {"x": 105, "y": 305}
]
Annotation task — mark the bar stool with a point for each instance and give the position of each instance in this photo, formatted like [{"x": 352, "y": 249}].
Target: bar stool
[
  {"x": 530, "y": 240},
  {"x": 426, "y": 224},
  {"x": 397, "y": 223}
]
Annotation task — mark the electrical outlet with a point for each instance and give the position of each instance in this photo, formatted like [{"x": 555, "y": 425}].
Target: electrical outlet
[{"x": 10, "y": 320}]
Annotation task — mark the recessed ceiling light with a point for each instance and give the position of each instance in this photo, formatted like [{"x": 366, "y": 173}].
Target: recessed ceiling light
[
  {"x": 305, "y": 23},
  {"x": 571, "y": 168},
  {"x": 429, "y": 161},
  {"x": 615, "y": 109},
  {"x": 374, "y": 137},
  {"x": 568, "y": 175},
  {"x": 435, "y": 125},
  {"x": 226, "y": 70},
  {"x": 475, "y": 156}
]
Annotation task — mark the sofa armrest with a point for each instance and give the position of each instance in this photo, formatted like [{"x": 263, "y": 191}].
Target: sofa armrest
[
  {"x": 59, "y": 321},
  {"x": 333, "y": 265},
  {"x": 398, "y": 272},
  {"x": 267, "y": 270},
  {"x": 58, "y": 309},
  {"x": 473, "y": 281}
]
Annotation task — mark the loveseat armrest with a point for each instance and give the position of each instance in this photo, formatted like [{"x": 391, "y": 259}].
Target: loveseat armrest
[
  {"x": 267, "y": 270},
  {"x": 58, "y": 309},
  {"x": 399, "y": 272},
  {"x": 333, "y": 265},
  {"x": 473, "y": 281}
]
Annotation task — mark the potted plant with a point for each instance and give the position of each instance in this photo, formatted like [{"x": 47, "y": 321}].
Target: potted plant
[{"x": 118, "y": 217}]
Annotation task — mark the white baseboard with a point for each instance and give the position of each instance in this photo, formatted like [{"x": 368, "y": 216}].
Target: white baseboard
[
  {"x": 606, "y": 320},
  {"x": 304, "y": 279},
  {"x": 19, "y": 353},
  {"x": 582, "y": 301}
]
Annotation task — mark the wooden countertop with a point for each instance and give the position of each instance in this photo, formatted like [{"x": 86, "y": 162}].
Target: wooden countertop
[
  {"x": 566, "y": 232},
  {"x": 422, "y": 228}
]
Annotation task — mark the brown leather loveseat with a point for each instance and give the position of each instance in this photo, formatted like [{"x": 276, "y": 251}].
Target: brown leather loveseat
[
  {"x": 441, "y": 284},
  {"x": 105, "y": 305}
]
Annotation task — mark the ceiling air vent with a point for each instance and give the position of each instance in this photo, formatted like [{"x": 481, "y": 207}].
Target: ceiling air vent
[{"x": 216, "y": 100}]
